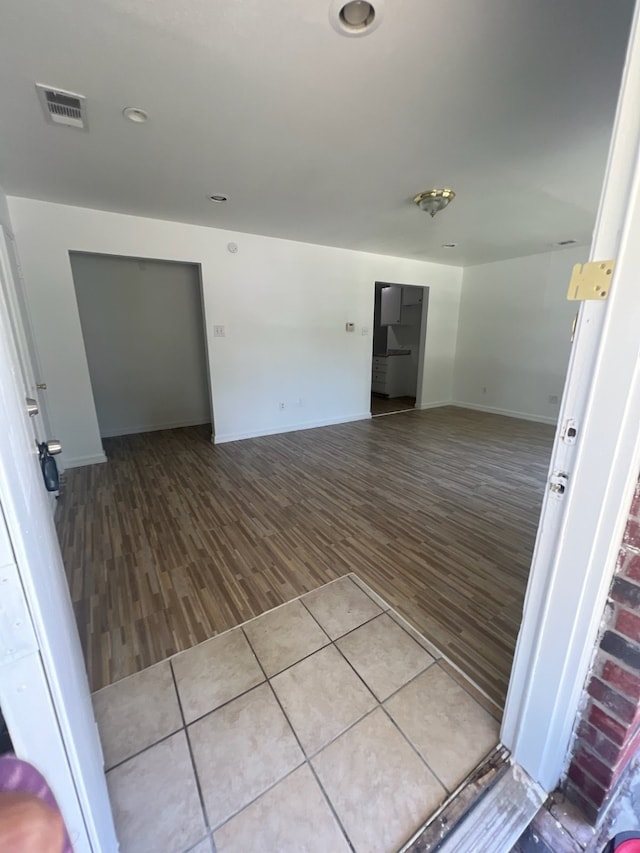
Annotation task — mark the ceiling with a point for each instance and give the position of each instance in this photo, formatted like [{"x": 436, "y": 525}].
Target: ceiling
[{"x": 315, "y": 136}]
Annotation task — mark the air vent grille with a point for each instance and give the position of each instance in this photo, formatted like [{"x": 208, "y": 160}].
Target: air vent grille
[
  {"x": 566, "y": 242},
  {"x": 60, "y": 107}
]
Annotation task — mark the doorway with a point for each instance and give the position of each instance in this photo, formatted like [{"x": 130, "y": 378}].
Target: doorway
[
  {"x": 399, "y": 333},
  {"x": 145, "y": 339}
]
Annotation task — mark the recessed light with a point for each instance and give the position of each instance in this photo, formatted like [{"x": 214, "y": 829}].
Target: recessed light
[
  {"x": 449, "y": 245},
  {"x": 218, "y": 198},
  {"x": 135, "y": 114},
  {"x": 356, "y": 17}
]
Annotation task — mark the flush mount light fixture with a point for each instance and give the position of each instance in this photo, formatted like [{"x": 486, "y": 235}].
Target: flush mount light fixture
[
  {"x": 218, "y": 198},
  {"x": 135, "y": 114},
  {"x": 355, "y": 18},
  {"x": 433, "y": 201}
]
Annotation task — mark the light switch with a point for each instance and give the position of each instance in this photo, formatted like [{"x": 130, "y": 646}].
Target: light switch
[{"x": 350, "y": 327}]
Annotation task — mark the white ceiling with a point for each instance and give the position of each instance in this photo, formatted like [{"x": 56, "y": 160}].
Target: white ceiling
[{"x": 315, "y": 136}]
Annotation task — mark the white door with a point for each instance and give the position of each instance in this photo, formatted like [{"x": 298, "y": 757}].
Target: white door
[
  {"x": 581, "y": 528},
  {"x": 44, "y": 693}
]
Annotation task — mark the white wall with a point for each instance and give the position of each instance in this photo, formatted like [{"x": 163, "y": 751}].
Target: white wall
[
  {"x": 284, "y": 306},
  {"x": 143, "y": 333},
  {"x": 514, "y": 334}
]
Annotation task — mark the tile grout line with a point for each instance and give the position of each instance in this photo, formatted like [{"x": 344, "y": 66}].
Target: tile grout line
[
  {"x": 307, "y": 760},
  {"x": 415, "y": 749},
  {"x": 207, "y": 823}
]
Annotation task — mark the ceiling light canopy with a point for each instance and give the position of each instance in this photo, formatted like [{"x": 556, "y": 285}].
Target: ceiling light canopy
[
  {"x": 356, "y": 17},
  {"x": 135, "y": 114},
  {"x": 433, "y": 201}
]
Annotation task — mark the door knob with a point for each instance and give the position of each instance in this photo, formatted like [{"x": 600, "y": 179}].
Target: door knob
[
  {"x": 32, "y": 407},
  {"x": 53, "y": 446}
]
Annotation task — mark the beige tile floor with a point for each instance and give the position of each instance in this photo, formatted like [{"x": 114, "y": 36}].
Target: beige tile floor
[{"x": 327, "y": 724}]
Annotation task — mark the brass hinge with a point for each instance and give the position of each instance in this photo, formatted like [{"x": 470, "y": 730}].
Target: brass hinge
[{"x": 590, "y": 281}]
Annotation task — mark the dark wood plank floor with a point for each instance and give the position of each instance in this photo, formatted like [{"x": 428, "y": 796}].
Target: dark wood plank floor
[{"x": 175, "y": 539}]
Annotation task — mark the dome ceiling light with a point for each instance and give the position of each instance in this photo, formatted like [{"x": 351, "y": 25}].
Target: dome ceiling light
[{"x": 433, "y": 201}]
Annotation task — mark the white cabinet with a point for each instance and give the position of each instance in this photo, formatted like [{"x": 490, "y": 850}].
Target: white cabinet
[
  {"x": 389, "y": 375},
  {"x": 390, "y": 305},
  {"x": 412, "y": 295}
]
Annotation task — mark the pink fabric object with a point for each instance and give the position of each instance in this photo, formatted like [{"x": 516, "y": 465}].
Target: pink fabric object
[{"x": 20, "y": 777}]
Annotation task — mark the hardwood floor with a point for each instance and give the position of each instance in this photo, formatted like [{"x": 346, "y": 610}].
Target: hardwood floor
[
  {"x": 388, "y": 405},
  {"x": 175, "y": 539}
]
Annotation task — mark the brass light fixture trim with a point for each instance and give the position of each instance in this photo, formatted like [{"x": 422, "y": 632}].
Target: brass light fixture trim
[{"x": 433, "y": 201}]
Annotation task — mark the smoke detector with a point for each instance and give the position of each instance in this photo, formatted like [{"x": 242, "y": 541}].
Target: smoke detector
[{"x": 61, "y": 107}]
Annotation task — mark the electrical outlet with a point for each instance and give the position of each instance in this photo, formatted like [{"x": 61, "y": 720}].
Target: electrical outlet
[
  {"x": 281, "y": 406},
  {"x": 364, "y": 331},
  {"x": 219, "y": 332},
  {"x": 553, "y": 399}
]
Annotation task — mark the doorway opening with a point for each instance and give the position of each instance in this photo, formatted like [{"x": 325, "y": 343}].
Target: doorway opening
[
  {"x": 399, "y": 335},
  {"x": 145, "y": 338}
]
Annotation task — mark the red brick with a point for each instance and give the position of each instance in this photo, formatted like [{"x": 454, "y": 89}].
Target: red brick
[
  {"x": 632, "y": 533},
  {"x": 621, "y": 680},
  {"x": 628, "y": 623},
  {"x": 625, "y": 592},
  {"x": 594, "y": 766},
  {"x": 587, "y": 786},
  {"x": 634, "y": 512},
  {"x": 612, "y": 700},
  {"x": 631, "y": 567},
  {"x": 629, "y": 751},
  {"x": 600, "y": 720},
  {"x": 606, "y": 749}
]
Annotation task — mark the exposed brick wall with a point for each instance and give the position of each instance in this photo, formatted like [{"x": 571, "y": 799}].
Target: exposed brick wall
[{"x": 608, "y": 728}]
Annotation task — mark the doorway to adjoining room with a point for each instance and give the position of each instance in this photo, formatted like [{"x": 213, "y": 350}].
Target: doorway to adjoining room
[
  {"x": 399, "y": 327},
  {"x": 144, "y": 335}
]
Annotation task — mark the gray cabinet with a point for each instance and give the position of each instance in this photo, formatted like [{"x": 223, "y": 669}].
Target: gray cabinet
[
  {"x": 390, "y": 305},
  {"x": 389, "y": 375},
  {"x": 412, "y": 295}
]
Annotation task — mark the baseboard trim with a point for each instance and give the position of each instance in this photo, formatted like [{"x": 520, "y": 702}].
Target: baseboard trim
[
  {"x": 439, "y": 405},
  {"x": 240, "y": 436},
  {"x": 112, "y": 433},
  {"x": 80, "y": 461},
  {"x": 507, "y": 413}
]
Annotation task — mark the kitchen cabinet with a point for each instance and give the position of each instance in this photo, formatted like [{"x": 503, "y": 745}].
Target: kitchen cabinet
[
  {"x": 390, "y": 305},
  {"x": 412, "y": 295},
  {"x": 391, "y": 374}
]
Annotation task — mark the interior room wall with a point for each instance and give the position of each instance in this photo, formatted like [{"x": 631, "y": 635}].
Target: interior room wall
[
  {"x": 4, "y": 211},
  {"x": 514, "y": 334},
  {"x": 143, "y": 333},
  {"x": 283, "y": 306}
]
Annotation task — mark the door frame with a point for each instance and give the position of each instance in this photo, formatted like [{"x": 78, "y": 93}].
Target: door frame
[{"x": 579, "y": 533}]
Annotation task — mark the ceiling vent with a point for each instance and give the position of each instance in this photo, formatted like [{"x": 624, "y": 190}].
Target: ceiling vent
[
  {"x": 62, "y": 107},
  {"x": 566, "y": 242}
]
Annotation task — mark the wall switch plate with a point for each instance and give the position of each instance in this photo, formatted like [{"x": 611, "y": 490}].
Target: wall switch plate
[
  {"x": 553, "y": 399},
  {"x": 350, "y": 327},
  {"x": 219, "y": 332}
]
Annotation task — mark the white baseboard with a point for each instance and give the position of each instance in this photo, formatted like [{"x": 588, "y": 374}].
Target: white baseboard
[
  {"x": 224, "y": 439},
  {"x": 79, "y": 461},
  {"x": 424, "y": 406},
  {"x": 132, "y": 430},
  {"x": 507, "y": 413}
]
